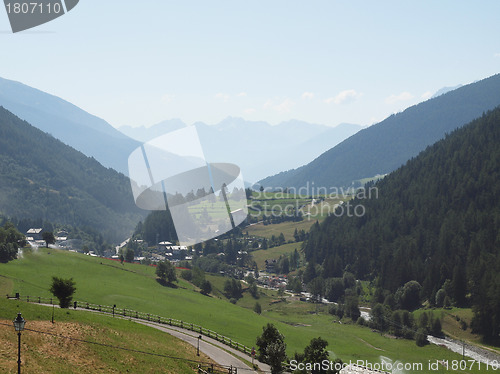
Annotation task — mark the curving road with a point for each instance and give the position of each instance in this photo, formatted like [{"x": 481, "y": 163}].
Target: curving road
[{"x": 218, "y": 352}]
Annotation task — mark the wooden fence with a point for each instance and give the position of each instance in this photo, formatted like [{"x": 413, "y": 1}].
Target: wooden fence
[{"x": 114, "y": 310}]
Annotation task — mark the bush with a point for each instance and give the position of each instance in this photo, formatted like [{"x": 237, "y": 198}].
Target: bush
[
  {"x": 440, "y": 296},
  {"x": 463, "y": 325},
  {"x": 187, "y": 275},
  {"x": 408, "y": 333},
  {"x": 166, "y": 271},
  {"x": 446, "y": 302},
  {"x": 232, "y": 288},
  {"x": 254, "y": 291},
  {"x": 421, "y": 337},
  {"x": 257, "y": 308},
  {"x": 340, "y": 311},
  {"x": 63, "y": 289},
  {"x": 271, "y": 348},
  {"x": 436, "y": 328},
  {"x": 206, "y": 287},
  {"x": 332, "y": 309},
  {"x": 361, "y": 321}
]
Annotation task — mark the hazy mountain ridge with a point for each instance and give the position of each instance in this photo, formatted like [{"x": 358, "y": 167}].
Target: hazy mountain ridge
[
  {"x": 256, "y": 146},
  {"x": 383, "y": 147},
  {"x": 73, "y": 126},
  {"x": 42, "y": 178}
]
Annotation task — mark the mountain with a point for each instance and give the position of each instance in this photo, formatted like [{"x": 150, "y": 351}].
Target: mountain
[
  {"x": 257, "y": 147},
  {"x": 68, "y": 123},
  {"x": 435, "y": 220},
  {"x": 42, "y": 178},
  {"x": 383, "y": 147},
  {"x": 144, "y": 134},
  {"x": 444, "y": 90}
]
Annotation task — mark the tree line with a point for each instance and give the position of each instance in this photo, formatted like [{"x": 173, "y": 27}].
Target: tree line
[{"x": 435, "y": 223}]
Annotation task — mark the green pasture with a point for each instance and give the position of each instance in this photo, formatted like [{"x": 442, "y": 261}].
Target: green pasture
[
  {"x": 134, "y": 286},
  {"x": 44, "y": 353}
]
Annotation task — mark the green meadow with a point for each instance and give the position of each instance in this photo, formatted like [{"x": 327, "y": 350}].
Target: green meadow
[
  {"x": 260, "y": 256},
  {"x": 134, "y": 286},
  {"x": 67, "y": 346}
]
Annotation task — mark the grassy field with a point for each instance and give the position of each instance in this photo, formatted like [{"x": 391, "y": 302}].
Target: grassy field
[
  {"x": 312, "y": 212},
  {"x": 287, "y": 228},
  {"x": 43, "y": 352},
  {"x": 262, "y": 255},
  {"x": 134, "y": 287}
]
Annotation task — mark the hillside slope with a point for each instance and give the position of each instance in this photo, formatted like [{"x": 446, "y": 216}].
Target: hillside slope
[
  {"x": 435, "y": 220},
  {"x": 133, "y": 286},
  {"x": 73, "y": 126},
  {"x": 40, "y": 177},
  {"x": 383, "y": 147}
]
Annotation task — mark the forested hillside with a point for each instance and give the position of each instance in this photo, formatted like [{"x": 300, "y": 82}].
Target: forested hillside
[
  {"x": 42, "y": 178},
  {"x": 436, "y": 220},
  {"x": 385, "y": 146}
]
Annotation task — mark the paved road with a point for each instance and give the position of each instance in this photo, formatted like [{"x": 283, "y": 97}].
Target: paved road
[{"x": 211, "y": 347}]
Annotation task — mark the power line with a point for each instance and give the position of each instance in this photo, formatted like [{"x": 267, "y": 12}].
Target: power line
[{"x": 130, "y": 349}]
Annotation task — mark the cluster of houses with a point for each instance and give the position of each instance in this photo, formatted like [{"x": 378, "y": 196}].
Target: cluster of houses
[
  {"x": 35, "y": 237},
  {"x": 164, "y": 251},
  {"x": 174, "y": 252},
  {"x": 272, "y": 281}
]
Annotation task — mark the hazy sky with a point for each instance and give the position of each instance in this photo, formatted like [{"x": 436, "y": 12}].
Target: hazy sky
[{"x": 141, "y": 62}]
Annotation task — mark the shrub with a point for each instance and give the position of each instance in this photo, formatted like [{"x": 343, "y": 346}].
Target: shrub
[
  {"x": 63, "y": 289},
  {"x": 187, "y": 275},
  {"x": 421, "y": 337},
  {"x": 257, "y": 308}
]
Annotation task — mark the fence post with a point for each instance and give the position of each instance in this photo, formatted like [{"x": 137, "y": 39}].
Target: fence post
[
  {"x": 148, "y": 316},
  {"x": 85, "y": 308},
  {"x": 217, "y": 336},
  {"x": 27, "y": 299},
  {"x": 159, "y": 319},
  {"x": 136, "y": 314},
  {"x": 182, "y": 325},
  {"x": 170, "y": 321},
  {"x": 39, "y": 299},
  {"x": 99, "y": 308}
]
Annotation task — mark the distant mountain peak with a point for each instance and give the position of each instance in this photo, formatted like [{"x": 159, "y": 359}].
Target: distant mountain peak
[{"x": 444, "y": 90}]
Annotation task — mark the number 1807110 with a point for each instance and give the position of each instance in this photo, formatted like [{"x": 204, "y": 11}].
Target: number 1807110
[{"x": 34, "y": 8}]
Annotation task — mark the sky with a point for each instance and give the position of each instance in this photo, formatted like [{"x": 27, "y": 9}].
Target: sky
[{"x": 141, "y": 62}]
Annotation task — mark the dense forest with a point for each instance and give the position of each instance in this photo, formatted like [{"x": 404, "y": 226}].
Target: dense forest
[
  {"x": 385, "y": 146},
  {"x": 435, "y": 221},
  {"x": 42, "y": 178},
  {"x": 157, "y": 227}
]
